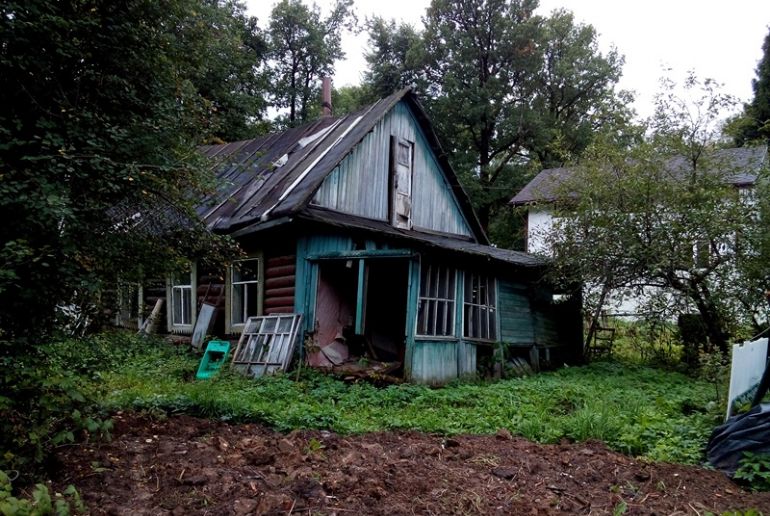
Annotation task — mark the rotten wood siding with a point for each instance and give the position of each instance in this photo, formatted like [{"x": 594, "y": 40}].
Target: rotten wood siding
[{"x": 359, "y": 184}]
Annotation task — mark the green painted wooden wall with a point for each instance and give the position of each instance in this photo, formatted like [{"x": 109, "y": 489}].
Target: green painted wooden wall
[{"x": 517, "y": 326}]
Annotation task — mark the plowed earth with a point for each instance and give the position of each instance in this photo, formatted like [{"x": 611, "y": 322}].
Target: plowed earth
[{"x": 183, "y": 465}]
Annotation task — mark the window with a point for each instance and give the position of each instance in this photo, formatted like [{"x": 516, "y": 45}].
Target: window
[
  {"x": 436, "y": 309},
  {"x": 244, "y": 298},
  {"x": 480, "y": 321},
  {"x": 182, "y": 304}
]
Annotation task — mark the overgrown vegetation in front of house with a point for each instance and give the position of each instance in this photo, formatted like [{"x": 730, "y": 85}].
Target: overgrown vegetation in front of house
[
  {"x": 635, "y": 409},
  {"x": 654, "y": 413}
]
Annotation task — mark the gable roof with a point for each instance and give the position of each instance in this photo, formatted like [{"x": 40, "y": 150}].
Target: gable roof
[
  {"x": 746, "y": 160},
  {"x": 277, "y": 175}
]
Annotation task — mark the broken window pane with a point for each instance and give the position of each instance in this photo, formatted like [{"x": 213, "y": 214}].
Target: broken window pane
[
  {"x": 435, "y": 316},
  {"x": 479, "y": 310},
  {"x": 181, "y": 298}
]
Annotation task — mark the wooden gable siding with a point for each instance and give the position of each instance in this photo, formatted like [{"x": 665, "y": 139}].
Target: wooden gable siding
[{"x": 359, "y": 184}]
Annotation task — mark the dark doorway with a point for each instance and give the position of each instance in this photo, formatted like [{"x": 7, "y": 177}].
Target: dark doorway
[
  {"x": 361, "y": 321},
  {"x": 386, "y": 296}
]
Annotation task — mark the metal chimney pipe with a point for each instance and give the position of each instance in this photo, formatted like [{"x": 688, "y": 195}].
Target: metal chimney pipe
[{"x": 326, "y": 96}]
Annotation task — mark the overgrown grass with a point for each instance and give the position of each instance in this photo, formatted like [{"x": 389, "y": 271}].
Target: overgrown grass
[{"x": 641, "y": 411}]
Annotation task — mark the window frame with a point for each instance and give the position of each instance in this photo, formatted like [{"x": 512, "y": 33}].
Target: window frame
[
  {"x": 192, "y": 286},
  {"x": 488, "y": 306},
  {"x": 230, "y": 326},
  {"x": 450, "y": 303}
]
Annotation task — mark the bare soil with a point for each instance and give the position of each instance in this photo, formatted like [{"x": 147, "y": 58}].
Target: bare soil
[{"x": 184, "y": 465}]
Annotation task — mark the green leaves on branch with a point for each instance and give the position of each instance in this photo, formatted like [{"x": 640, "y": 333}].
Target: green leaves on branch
[
  {"x": 105, "y": 105},
  {"x": 509, "y": 91},
  {"x": 663, "y": 221}
]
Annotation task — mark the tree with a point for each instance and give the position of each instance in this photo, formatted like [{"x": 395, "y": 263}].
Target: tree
[
  {"x": 226, "y": 54},
  {"x": 754, "y": 123},
  {"x": 105, "y": 103},
  {"x": 508, "y": 91},
  {"x": 393, "y": 57},
  {"x": 303, "y": 48},
  {"x": 660, "y": 219}
]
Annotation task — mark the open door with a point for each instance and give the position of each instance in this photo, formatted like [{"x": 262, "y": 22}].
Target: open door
[{"x": 360, "y": 312}]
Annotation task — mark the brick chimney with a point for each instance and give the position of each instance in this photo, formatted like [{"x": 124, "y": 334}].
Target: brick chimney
[{"x": 326, "y": 96}]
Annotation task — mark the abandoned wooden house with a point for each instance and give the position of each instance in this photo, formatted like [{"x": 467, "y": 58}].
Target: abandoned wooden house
[{"x": 359, "y": 224}]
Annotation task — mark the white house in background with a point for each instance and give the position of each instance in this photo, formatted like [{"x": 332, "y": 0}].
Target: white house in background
[{"x": 538, "y": 196}]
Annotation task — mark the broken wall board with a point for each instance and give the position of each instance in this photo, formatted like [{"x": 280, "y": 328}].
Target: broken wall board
[
  {"x": 748, "y": 365},
  {"x": 203, "y": 325},
  {"x": 266, "y": 344}
]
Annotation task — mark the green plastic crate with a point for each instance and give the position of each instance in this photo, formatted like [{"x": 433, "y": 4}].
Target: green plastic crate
[{"x": 213, "y": 358}]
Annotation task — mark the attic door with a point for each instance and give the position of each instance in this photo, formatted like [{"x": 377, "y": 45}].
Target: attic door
[{"x": 401, "y": 164}]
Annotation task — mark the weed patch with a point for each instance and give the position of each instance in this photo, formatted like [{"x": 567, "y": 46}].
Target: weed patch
[{"x": 638, "y": 410}]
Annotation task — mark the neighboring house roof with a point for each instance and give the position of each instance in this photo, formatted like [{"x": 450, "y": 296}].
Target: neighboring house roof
[
  {"x": 277, "y": 175},
  {"x": 740, "y": 166}
]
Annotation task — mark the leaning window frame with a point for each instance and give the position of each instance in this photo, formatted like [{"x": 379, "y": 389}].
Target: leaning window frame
[
  {"x": 489, "y": 308},
  {"x": 235, "y": 328},
  {"x": 174, "y": 327},
  {"x": 451, "y": 310}
]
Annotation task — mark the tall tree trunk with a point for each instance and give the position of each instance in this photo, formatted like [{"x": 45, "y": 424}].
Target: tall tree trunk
[{"x": 712, "y": 320}]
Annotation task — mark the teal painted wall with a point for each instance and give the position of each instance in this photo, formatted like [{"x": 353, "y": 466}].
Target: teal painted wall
[
  {"x": 517, "y": 326},
  {"x": 307, "y": 271},
  {"x": 359, "y": 184},
  {"x": 434, "y": 362}
]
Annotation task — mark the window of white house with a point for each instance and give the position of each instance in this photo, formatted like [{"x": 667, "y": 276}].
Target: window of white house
[
  {"x": 244, "y": 291},
  {"x": 480, "y": 307},
  {"x": 436, "y": 309},
  {"x": 183, "y": 300}
]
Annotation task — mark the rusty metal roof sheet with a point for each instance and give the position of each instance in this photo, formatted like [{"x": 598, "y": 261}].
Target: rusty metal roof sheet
[{"x": 277, "y": 175}]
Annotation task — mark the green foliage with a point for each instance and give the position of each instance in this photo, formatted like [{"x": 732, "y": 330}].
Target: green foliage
[
  {"x": 649, "y": 342},
  {"x": 49, "y": 396},
  {"x": 621, "y": 404},
  {"x": 509, "y": 92},
  {"x": 754, "y": 469},
  {"x": 104, "y": 105},
  {"x": 754, "y": 124},
  {"x": 303, "y": 47},
  {"x": 39, "y": 502},
  {"x": 659, "y": 220}
]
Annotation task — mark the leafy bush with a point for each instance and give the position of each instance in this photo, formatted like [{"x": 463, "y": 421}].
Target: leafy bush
[
  {"x": 49, "y": 392},
  {"x": 39, "y": 502},
  {"x": 754, "y": 470}
]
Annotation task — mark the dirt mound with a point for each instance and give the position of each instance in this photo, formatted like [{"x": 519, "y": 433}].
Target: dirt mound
[{"x": 185, "y": 465}]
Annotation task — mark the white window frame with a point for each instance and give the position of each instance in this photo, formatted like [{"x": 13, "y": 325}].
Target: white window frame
[
  {"x": 429, "y": 298},
  {"x": 230, "y": 325},
  {"x": 175, "y": 288},
  {"x": 488, "y": 333}
]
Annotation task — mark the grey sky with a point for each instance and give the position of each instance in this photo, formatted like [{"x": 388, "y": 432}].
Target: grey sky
[{"x": 716, "y": 39}]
